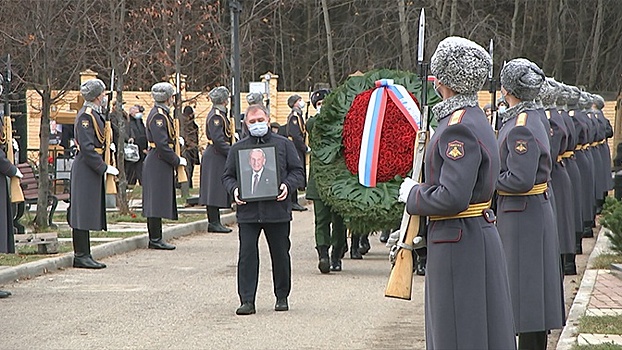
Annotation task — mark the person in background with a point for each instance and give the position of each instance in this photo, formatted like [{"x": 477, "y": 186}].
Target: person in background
[
  {"x": 297, "y": 132},
  {"x": 138, "y": 136},
  {"x": 191, "y": 143},
  {"x": 219, "y": 139}
]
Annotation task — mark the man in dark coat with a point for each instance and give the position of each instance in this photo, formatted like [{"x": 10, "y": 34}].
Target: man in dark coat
[
  {"x": 273, "y": 216},
  {"x": 159, "y": 170},
  {"x": 599, "y": 104},
  {"x": 297, "y": 132},
  {"x": 138, "y": 136},
  {"x": 88, "y": 200},
  {"x": 526, "y": 221},
  {"x": 330, "y": 230},
  {"x": 467, "y": 294},
  {"x": 220, "y": 136},
  {"x": 191, "y": 143}
]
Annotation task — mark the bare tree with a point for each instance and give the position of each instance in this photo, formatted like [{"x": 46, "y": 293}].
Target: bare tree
[{"x": 329, "y": 45}]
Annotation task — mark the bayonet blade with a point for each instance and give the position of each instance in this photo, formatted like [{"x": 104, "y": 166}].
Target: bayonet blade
[
  {"x": 491, "y": 51},
  {"x": 8, "y": 68},
  {"x": 421, "y": 36}
]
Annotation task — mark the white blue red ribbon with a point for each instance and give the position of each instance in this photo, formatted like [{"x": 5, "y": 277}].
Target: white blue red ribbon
[{"x": 370, "y": 142}]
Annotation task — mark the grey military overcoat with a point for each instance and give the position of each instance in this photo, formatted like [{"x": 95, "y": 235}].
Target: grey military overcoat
[
  {"x": 87, "y": 210},
  {"x": 571, "y": 166},
  {"x": 467, "y": 297},
  {"x": 560, "y": 183},
  {"x": 586, "y": 165},
  {"x": 7, "y": 170},
  {"x": 218, "y": 132},
  {"x": 526, "y": 223},
  {"x": 160, "y": 164}
]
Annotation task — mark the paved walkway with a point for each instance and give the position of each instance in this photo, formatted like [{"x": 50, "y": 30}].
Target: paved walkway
[
  {"x": 600, "y": 294},
  {"x": 186, "y": 299}
]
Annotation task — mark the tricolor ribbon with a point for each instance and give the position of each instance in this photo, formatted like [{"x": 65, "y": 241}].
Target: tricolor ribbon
[{"x": 370, "y": 143}]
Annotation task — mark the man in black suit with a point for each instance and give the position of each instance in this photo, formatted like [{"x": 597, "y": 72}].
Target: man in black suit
[{"x": 259, "y": 181}]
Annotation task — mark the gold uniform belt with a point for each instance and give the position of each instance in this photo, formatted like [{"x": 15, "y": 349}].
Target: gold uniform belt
[
  {"x": 602, "y": 142},
  {"x": 153, "y": 145},
  {"x": 97, "y": 150},
  {"x": 594, "y": 144},
  {"x": 567, "y": 154},
  {"x": 585, "y": 146},
  {"x": 474, "y": 210},
  {"x": 537, "y": 189}
]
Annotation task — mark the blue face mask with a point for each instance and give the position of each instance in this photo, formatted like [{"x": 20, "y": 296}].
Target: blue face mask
[
  {"x": 437, "y": 92},
  {"x": 258, "y": 129},
  {"x": 138, "y": 115}
]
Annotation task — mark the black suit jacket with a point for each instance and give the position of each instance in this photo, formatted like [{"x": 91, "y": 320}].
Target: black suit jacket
[{"x": 267, "y": 186}]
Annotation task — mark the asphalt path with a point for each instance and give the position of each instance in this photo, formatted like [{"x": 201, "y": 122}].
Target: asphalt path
[{"x": 186, "y": 299}]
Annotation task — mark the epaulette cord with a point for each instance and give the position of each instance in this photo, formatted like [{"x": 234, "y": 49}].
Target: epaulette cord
[
  {"x": 456, "y": 117},
  {"x": 521, "y": 120}
]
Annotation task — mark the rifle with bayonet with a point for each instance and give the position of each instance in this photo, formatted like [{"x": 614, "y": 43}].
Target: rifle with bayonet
[
  {"x": 400, "y": 280},
  {"x": 181, "y": 170},
  {"x": 17, "y": 195},
  {"x": 111, "y": 186},
  {"x": 493, "y": 89}
]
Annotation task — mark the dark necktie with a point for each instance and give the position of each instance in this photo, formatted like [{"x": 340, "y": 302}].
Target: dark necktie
[{"x": 255, "y": 182}]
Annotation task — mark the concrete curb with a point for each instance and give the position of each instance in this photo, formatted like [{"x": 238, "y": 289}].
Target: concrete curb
[
  {"x": 568, "y": 337},
  {"x": 43, "y": 266}
]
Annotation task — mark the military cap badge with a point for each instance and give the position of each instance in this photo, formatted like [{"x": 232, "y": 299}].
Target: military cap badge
[
  {"x": 521, "y": 146},
  {"x": 455, "y": 150}
]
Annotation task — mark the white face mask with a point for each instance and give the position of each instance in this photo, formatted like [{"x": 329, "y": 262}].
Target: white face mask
[
  {"x": 502, "y": 109},
  {"x": 138, "y": 115},
  {"x": 301, "y": 104},
  {"x": 318, "y": 109},
  {"x": 258, "y": 129}
]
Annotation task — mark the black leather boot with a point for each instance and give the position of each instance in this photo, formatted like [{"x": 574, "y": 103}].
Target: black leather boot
[
  {"x": 295, "y": 205},
  {"x": 154, "y": 226},
  {"x": 323, "y": 264},
  {"x": 532, "y": 341},
  {"x": 570, "y": 267},
  {"x": 335, "y": 259},
  {"x": 420, "y": 260},
  {"x": 384, "y": 236},
  {"x": 587, "y": 229},
  {"x": 213, "y": 218},
  {"x": 365, "y": 246},
  {"x": 579, "y": 245},
  {"x": 4, "y": 294},
  {"x": 354, "y": 248},
  {"x": 82, "y": 251}
]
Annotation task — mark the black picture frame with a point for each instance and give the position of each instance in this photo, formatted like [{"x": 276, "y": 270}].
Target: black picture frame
[{"x": 268, "y": 181}]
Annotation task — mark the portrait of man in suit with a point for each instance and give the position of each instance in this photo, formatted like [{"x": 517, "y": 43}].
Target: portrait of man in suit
[{"x": 258, "y": 177}]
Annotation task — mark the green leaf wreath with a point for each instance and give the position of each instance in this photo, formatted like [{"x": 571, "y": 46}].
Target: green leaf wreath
[{"x": 364, "y": 209}]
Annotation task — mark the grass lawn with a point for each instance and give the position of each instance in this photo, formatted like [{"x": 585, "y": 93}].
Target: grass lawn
[
  {"x": 608, "y": 346},
  {"x": 604, "y": 261},
  {"x": 601, "y": 324}
]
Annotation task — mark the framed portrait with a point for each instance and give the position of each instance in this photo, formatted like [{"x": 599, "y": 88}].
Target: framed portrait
[{"x": 258, "y": 178}]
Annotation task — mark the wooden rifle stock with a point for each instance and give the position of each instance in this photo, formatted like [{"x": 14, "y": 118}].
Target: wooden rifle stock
[
  {"x": 401, "y": 278},
  {"x": 17, "y": 195},
  {"x": 111, "y": 186},
  {"x": 181, "y": 170}
]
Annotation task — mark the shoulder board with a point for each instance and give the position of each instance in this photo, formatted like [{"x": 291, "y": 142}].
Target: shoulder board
[
  {"x": 548, "y": 114},
  {"x": 521, "y": 120},
  {"x": 216, "y": 111},
  {"x": 89, "y": 111},
  {"x": 456, "y": 117},
  {"x": 161, "y": 111},
  {"x": 571, "y": 113}
]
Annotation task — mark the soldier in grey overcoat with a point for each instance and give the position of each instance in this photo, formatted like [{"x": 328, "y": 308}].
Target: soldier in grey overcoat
[
  {"x": 560, "y": 180},
  {"x": 87, "y": 210},
  {"x": 160, "y": 165},
  {"x": 525, "y": 216},
  {"x": 297, "y": 133},
  {"x": 467, "y": 296},
  {"x": 7, "y": 171},
  {"x": 584, "y": 160},
  {"x": 219, "y": 139},
  {"x": 585, "y": 102},
  {"x": 570, "y": 162},
  {"x": 607, "y": 132}
]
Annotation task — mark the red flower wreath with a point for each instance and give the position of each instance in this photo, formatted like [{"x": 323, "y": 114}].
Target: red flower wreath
[{"x": 397, "y": 141}]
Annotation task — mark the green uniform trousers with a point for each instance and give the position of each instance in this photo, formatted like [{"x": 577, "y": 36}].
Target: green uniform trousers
[{"x": 326, "y": 235}]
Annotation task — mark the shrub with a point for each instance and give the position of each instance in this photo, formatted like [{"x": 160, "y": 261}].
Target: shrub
[{"x": 612, "y": 219}]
